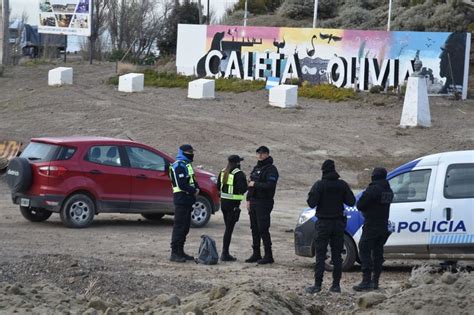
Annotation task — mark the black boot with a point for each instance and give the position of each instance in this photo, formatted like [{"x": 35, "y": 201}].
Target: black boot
[
  {"x": 315, "y": 288},
  {"x": 335, "y": 288},
  {"x": 227, "y": 257},
  {"x": 375, "y": 281},
  {"x": 184, "y": 255},
  {"x": 256, "y": 256},
  {"x": 175, "y": 257},
  {"x": 366, "y": 284},
  {"x": 268, "y": 258}
]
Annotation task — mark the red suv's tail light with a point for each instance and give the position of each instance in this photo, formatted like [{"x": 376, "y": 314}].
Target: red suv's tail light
[{"x": 53, "y": 171}]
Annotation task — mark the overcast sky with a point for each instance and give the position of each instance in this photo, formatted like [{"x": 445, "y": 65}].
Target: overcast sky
[{"x": 31, "y": 7}]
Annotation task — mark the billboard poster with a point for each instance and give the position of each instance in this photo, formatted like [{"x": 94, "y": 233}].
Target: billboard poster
[
  {"x": 344, "y": 58},
  {"x": 65, "y": 17}
]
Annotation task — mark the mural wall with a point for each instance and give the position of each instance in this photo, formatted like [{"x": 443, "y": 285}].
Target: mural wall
[{"x": 341, "y": 57}]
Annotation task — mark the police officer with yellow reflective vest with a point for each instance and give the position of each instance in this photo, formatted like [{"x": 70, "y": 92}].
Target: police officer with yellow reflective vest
[
  {"x": 185, "y": 190},
  {"x": 232, "y": 185}
]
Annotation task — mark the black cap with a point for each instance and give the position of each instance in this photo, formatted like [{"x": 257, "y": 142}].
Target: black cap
[
  {"x": 263, "y": 149},
  {"x": 235, "y": 159},
  {"x": 186, "y": 148},
  {"x": 328, "y": 166}
]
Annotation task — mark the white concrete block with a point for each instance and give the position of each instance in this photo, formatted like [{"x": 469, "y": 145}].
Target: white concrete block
[
  {"x": 132, "y": 82},
  {"x": 416, "y": 106},
  {"x": 60, "y": 76},
  {"x": 284, "y": 96},
  {"x": 201, "y": 88}
]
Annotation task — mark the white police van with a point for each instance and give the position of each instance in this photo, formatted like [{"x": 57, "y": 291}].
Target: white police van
[{"x": 432, "y": 214}]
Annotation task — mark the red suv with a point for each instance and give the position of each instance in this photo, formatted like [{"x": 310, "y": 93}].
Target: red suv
[{"x": 80, "y": 177}]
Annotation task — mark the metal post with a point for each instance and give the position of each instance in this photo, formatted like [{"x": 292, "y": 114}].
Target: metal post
[
  {"x": 245, "y": 14},
  {"x": 208, "y": 10},
  {"x": 389, "y": 14},
  {"x": 315, "y": 13},
  {"x": 65, "y": 50}
]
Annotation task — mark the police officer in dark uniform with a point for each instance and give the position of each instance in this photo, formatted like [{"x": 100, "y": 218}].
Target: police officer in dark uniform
[
  {"x": 185, "y": 190},
  {"x": 329, "y": 196},
  {"x": 375, "y": 206},
  {"x": 262, "y": 186},
  {"x": 232, "y": 185}
]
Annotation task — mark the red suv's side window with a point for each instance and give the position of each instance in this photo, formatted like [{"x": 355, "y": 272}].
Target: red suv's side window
[
  {"x": 105, "y": 155},
  {"x": 145, "y": 159}
]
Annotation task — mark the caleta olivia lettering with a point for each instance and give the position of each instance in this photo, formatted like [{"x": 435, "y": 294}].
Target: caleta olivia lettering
[
  {"x": 342, "y": 72},
  {"x": 435, "y": 226}
]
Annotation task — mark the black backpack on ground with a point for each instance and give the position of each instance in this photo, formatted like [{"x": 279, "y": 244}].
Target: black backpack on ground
[{"x": 208, "y": 254}]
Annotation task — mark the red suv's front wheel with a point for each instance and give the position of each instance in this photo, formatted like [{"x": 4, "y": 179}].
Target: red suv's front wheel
[{"x": 78, "y": 211}]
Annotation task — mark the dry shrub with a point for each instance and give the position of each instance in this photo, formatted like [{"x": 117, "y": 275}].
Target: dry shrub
[{"x": 124, "y": 68}]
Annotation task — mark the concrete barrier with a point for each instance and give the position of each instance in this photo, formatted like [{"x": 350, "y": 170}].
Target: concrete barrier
[
  {"x": 416, "y": 106},
  {"x": 60, "y": 76},
  {"x": 284, "y": 96},
  {"x": 201, "y": 89},
  {"x": 132, "y": 82}
]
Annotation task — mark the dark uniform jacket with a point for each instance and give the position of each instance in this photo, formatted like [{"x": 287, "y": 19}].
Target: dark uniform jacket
[
  {"x": 181, "y": 179},
  {"x": 329, "y": 196},
  {"x": 265, "y": 175},
  {"x": 375, "y": 200}
]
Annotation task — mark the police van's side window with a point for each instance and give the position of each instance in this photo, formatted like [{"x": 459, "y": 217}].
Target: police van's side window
[
  {"x": 411, "y": 186},
  {"x": 459, "y": 181}
]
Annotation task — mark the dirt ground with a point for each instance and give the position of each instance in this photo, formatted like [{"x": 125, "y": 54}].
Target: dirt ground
[{"x": 124, "y": 257}]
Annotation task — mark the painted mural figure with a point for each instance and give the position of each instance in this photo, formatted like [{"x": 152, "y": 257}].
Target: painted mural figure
[{"x": 452, "y": 62}]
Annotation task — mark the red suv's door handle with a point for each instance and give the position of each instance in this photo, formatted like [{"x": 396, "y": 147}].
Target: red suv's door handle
[
  {"x": 95, "y": 172},
  {"x": 141, "y": 176}
]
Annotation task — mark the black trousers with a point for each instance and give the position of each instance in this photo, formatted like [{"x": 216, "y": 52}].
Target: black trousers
[
  {"x": 260, "y": 225},
  {"x": 227, "y": 207},
  {"x": 329, "y": 232},
  {"x": 182, "y": 223},
  {"x": 371, "y": 245}
]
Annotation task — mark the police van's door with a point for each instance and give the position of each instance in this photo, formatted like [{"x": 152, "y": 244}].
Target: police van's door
[
  {"x": 410, "y": 211},
  {"x": 452, "y": 216}
]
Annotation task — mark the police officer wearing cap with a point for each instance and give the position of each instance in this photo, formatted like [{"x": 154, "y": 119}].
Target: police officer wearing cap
[
  {"x": 329, "y": 196},
  {"x": 262, "y": 186},
  {"x": 185, "y": 190},
  {"x": 375, "y": 207},
  {"x": 232, "y": 185}
]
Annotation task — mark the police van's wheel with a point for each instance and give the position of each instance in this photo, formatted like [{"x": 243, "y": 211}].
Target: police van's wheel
[
  {"x": 78, "y": 211},
  {"x": 201, "y": 212},
  {"x": 35, "y": 215},
  {"x": 349, "y": 255}
]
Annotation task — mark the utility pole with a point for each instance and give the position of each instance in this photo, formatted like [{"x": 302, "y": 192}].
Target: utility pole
[
  {"x": 208, "y": 20},
  {"x": 200, "y": 11},
  {"x": 389, "y": 14},
  {"x": 315, "y": 13},
  {"x": 4, "y": 34},
  {"x": 245, "y": 14}
]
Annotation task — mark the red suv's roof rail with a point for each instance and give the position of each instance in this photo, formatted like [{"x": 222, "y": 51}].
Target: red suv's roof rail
[{"x": 79, "y": 139}]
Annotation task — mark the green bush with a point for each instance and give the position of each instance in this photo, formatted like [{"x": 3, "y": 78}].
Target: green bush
[
  {"x": 327, "y": 92},
  {"x": 376, "y": 89}
]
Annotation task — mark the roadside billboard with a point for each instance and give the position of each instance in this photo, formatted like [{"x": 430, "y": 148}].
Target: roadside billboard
[
  {"x": 341, "y": 57},
  {"x": 65, "y": 17}
]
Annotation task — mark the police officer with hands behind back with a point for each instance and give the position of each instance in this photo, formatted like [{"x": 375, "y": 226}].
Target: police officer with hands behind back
[
  {"x": 185, "y": 190},
  {"x": 232, "y": 185},
  {"x": 375, "y": 206},
  {"x": 262, "y": 186},
  {"x": 329, "y": 196}
]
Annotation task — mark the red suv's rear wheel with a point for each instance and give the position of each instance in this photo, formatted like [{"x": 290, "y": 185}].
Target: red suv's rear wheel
[
  {"x": 35, "y": 215},
  {"x": 78, "y": 211}
]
